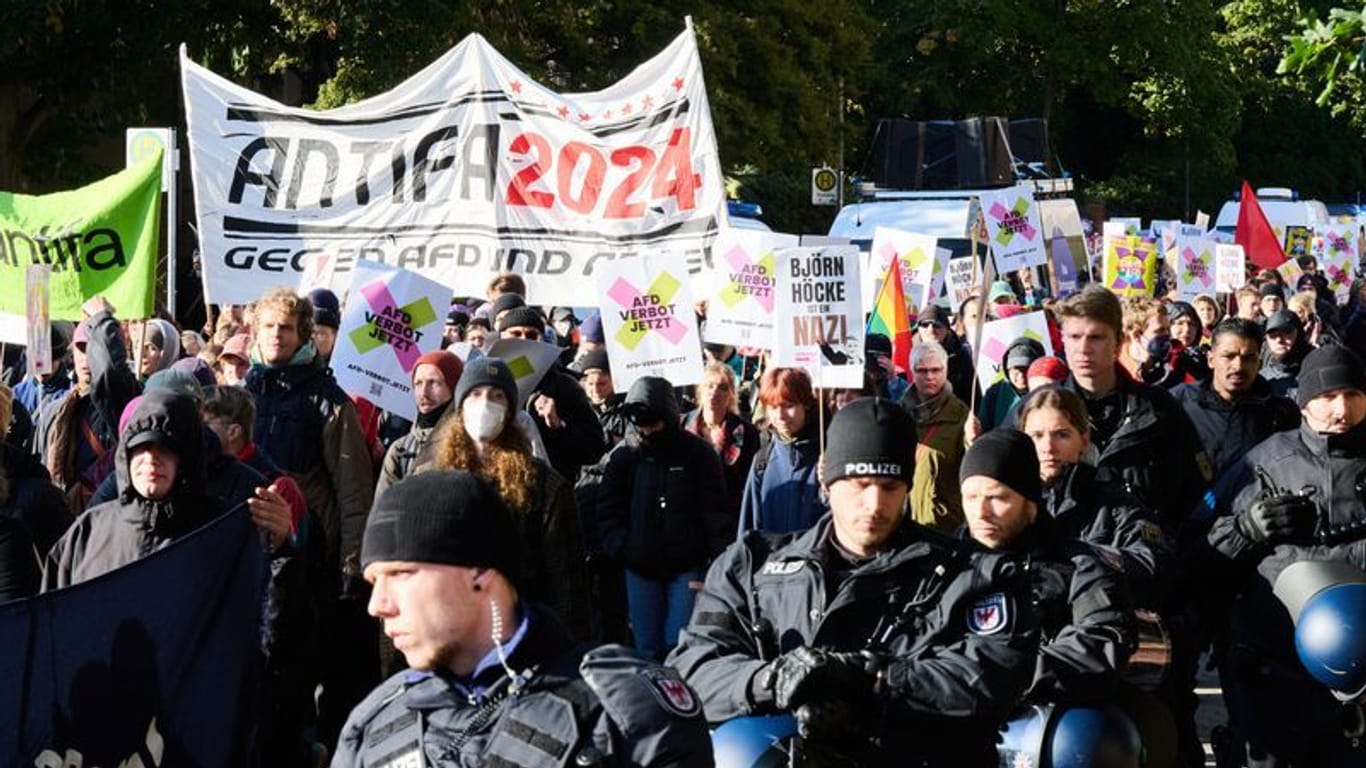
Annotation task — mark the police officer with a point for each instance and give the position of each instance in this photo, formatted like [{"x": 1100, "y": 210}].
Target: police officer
[
  {"x": 1086, "y": 626},
  {"x": 890, "y": 644},
  {"x": 494, "y": 680},
  {"x": 1297, "y": 496}
]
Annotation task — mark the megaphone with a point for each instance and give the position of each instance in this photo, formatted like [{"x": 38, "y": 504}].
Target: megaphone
[
  {"x": 1051, "y": 736},
  {"x": 1327, "y": 602},
  {"x": 761, "y": 741}
]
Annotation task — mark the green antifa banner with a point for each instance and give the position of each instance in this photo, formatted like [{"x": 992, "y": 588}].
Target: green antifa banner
[{"x": 100, "y": 239}]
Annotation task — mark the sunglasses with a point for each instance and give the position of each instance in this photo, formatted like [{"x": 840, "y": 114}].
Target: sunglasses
[{"x": 931, "y": 324}]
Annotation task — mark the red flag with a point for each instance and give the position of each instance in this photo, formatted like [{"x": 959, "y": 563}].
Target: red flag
[{"x": 1255, "y": 234}]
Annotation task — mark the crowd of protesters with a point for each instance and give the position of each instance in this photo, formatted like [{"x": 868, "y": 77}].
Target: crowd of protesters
[{"x": 1143, "y": 436}]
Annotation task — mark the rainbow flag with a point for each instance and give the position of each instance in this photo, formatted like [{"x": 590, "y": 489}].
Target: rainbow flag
[{"x": 889, "y": 316}]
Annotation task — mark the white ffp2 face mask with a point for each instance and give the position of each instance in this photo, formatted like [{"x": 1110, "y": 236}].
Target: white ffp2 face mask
[{"x": 483, "y": 419}]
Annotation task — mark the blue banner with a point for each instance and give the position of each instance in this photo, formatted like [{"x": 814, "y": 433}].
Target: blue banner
[{"x": 153, "y": 664}]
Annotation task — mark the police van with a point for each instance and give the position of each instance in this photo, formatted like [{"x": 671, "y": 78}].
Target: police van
[
  {"x": 944, "y": 214},
  {"x": 1293, "y": 219}
]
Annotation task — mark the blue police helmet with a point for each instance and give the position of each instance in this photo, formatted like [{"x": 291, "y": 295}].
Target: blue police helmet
[
  {"x": 753, "y": 742},
  {"x": 1094, "y": 737},
  {"x": 1327, "y": 601}
]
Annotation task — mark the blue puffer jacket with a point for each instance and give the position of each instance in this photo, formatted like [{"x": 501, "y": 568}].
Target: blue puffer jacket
[{"x": 783, "y": 489}]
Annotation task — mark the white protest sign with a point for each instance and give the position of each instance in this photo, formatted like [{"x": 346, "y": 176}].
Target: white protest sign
[
  {"x": 962, "y": 279},
  {"x": 996, "y": 337},
  {"x": 820, "y": 316},
  {"x": 920, "y": 266},
  {"x": 1340, "y": 258},
  {"x": 1131, "y": 225},
  {"x": 1230, "y": 268},
  {"x": 743, "y": 288},
  {"x": 1014, "y": 228},
  {"x": 1195, "y": 267},
  {"x": 648, "y": 321},
  {"x": 529, "y": 362},
  {"x": 466, "y": 169},
  {"x": 390, "y": 320},
  {"x": 38, "y": 315}
]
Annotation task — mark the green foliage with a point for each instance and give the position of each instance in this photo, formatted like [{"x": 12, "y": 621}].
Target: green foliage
[{"x": 1149, "y": 101}]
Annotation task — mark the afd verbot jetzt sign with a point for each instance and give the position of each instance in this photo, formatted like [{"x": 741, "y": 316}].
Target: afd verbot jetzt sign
[
  {"x": 466, "y": 169},
  {"x": 392, "y": 317},
  {"x": 648, "y": 321}
]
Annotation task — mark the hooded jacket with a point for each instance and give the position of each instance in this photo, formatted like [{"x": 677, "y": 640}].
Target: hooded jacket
[
  {"x": 82, "y": 426},
  {"x": 662, "y": 503},
  {"x": 118, "y": 532}
]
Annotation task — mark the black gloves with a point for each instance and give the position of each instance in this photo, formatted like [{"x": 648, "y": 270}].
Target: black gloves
[
  {"x": 1278, "y": 518},
  {"x": 806, "y": 673}
]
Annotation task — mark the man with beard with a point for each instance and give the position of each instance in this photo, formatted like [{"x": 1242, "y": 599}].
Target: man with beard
[
  {"x": 434, "y": 378},
  {"x": 1286, "y": 348},
  {"x": 1235, "y": 409}
]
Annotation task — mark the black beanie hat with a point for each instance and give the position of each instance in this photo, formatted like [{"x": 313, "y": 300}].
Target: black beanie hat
[
  {"x": 1005, "y": 455},
  {"x": 447, "y": 517},
  {"x": 490, "y": 371},
  {"x": 870, "y": 437},
  {"x": 326, "y": 308},
  {"x": 1329, "y": 368},
  {"x": 592, "y": 359},
  {"x": 521, "y": 317},
  {"x": 503, "y": 302}
]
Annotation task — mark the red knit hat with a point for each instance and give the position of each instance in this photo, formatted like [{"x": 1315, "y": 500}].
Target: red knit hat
[
  {"x": 450, "y": 365},
  {"x": 1048, "y": 367}
]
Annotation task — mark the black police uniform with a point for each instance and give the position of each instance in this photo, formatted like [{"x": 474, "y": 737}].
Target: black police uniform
[
  {"x": 1279, "y": 711},
  {"x": 565, "y": 706},
  {"x": 955, "y": 631},
  {"x": 1086, "y": 622},
  {"x": 1124, "y": 533}
]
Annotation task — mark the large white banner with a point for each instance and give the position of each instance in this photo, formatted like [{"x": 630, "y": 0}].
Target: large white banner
[
  {"x": 743, "y": 287},
  {"x": 466, "y": 169},
  {"x": 391, "y": 318},
  {"x": 819, "y": 323}
]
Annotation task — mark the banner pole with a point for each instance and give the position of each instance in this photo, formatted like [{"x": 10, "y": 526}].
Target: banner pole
[
  {"x": 983, "y": 291},
  {"x": 171, "y": 222}
]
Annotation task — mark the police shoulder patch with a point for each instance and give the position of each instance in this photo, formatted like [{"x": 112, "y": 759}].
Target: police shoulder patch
[
  {"x": 988, "y": 615},
  {"x": 781, "y": 567},
  {"x": 672, "y": 693}
]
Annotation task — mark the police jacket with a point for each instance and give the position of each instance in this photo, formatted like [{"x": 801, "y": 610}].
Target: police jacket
[
  {"x": 1154, "y": 452},
  {"x": 568, "y": 705},
  {"x": 1229, "y": 430},
  {"x": 1330, "y": 467},
  {"x": 956, "y": 629},
  {"x": 1123, "y": 531},
  {"x": 309, "y": 426},
  {"x": 1086, "y": 625}
]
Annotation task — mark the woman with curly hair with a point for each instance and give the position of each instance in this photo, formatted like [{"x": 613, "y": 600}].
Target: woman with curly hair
[{"x": 479, "y": 435}]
